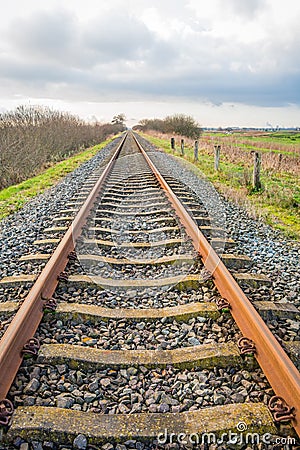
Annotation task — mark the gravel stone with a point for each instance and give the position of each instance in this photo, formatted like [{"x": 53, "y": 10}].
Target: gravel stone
[
  {"x": 36, "y": 445},
  {"x": 126, "y": 335},
  {"x": 130, "y": 443},
  {"x": 107, "y": 447},
  {"x": 89, "y": 398},
  {"x": 139, "y": 446},
  {"x": 32, "y": 386},
  {"x": 80, "y": 442},
  {"x": 65, "y": 402},
  {"x": 18, "y": 442},
  {"x": 24, "y": 446},
  {"x": 47, "y": 445},
  {"x": 136, "y": 390},
  {"x": 238, "y": 398}
]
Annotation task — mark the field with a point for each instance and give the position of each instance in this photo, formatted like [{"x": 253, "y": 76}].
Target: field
[
  {"x": 277, "y": 203},
  {"x": 280, "y": 151}
]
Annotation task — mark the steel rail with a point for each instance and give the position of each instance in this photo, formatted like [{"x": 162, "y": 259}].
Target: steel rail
[
  {"x": 280, "y": 371},
  {"x": 30, "y": 313}
]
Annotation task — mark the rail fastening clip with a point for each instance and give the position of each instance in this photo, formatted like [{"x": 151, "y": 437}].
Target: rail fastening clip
[
  {"x": 281, "y": 411},
  {"x": 6, "y": 411}
]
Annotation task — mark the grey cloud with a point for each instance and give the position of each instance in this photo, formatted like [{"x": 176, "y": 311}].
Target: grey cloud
[
  {"x": 97, "y": 85},
  {"x": 49, "y": 38},
  {"x": 217, "y": 88},
  {"x": 243, "y": 8},
  {"x": 35, "y": 73},
  {"x": 250, "y": 90},
  {"x": 118, "y": 35},
  {"x": 44, "y": 34},
  {"x": 58, "y": 36}
]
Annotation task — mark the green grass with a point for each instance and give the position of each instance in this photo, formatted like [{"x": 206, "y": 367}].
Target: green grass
[
  {"x": 288, "y": 138},
  {"x": 14, "y": 197},
  {"x": 277, "y": 203}
]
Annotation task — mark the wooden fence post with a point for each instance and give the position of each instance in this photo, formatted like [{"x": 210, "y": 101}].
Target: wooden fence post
[
  {"x": 217, "y": 156},
  {"x": 196, "y": 151},
  {"x": 172, "y": 143},
  {"x": 256, "y": 171},
  {"x": 182, "y": 146}
]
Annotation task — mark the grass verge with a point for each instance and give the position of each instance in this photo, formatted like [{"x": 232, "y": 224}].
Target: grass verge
[
  {"x": 14, "y": 197},
  {"x": 277, "y": 203}
]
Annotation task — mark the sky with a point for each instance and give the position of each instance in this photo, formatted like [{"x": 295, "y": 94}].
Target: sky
[{"x": 225, "y": 62}]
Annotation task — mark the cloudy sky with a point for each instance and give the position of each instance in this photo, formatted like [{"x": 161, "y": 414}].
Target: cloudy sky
[{"x": 226, "y": 62}]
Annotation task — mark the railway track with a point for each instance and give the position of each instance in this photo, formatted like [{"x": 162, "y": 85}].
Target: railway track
[{"x": 135, "y": 325}]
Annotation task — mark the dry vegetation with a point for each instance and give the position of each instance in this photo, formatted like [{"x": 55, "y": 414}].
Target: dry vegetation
[
  {"x": 32, "y": 138},
  {"x": 276, "y": 156},
  {"x": 179, "y": 124}
]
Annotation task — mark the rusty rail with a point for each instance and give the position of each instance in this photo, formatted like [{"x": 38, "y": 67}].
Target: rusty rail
[
  {"x": 281, "y": 373},
  {"x": 28, "y": 317}
]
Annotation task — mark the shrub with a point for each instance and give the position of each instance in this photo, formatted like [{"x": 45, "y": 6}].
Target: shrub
[
  {"x": 180, "y": 124},
  {"x": 32, "y": 137}
]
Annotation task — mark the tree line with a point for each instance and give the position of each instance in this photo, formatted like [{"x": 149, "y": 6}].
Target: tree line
[
  {"x": 180, "y": 124},
  {"x": 33, "y": 137}
]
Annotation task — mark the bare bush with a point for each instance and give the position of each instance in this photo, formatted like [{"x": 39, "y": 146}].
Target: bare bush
[
  {"x": 179, "y": 124},
  {"x": 32, "y": 137}
]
